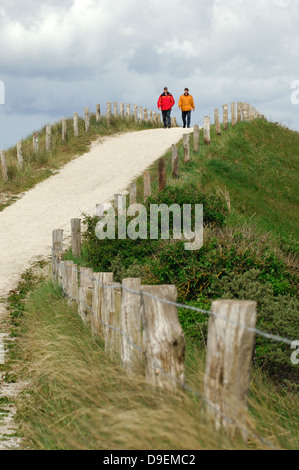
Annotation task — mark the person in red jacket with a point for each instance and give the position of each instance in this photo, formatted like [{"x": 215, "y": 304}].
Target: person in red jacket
[{"x": 165, "y": 104}]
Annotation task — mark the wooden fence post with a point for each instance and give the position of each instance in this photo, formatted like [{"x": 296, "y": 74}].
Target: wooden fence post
[
  {"x": 151, "y": 115},
  {"x": 162, "y": 174},
  {"x": 133, "y": 193},
  {"x": 175, "y": 162},
  {"x": 98, "y": 112},
  {"x": 76, "y": 237},
  {"x": 87, "y": 119},
  {"x": 163, "y": 337},
  {"x": 135, "y": 111},
  {"x": 225, "y": 117},
  {"x": 229, "y": 355},
  {"x": 145, "y": 115},
  {"x": 20, "y": 155},
  {"x": 140, "y": 113},
  {"x": 147, "y": 192},
  {"x": 128, "y": 114},
  {"x": 4, "y": 166},
  {"x": 233, "y": 114},
  {"x": 108, "y": 111},
  {"x": 131, "y": 323},
  {"x": 116, "y": 337},
  {"x": 85, "y": 294},
  {"x": 57, "y": 253},
  {"x": 70, "y": 281},
  {"x": 98, "y": 302},
  {"x": 239, "y": 111},
  {"x": 76, "y": 124},
  {"x": 186, "y": 145},
  {"x": 35, "y": 142},
  {"x": 206, "y": 130},
  {"x": 107, "y": 310},
  {"x": 64, "y": 130},
  {"x": 115, "y": 110},
  {"x": 217, "y": 122},
  {"x": 122, "y": 110},
  {"x": 196, "y": 138},
  {"x": 48, "y": 138}
]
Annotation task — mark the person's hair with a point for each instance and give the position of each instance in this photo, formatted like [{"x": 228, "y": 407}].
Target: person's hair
[
  {"x": 186, "y": 89},
  {"x": 165, "y": 88}
]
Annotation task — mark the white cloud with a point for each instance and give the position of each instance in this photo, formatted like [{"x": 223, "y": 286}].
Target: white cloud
[{"x": 57, "y": 56}]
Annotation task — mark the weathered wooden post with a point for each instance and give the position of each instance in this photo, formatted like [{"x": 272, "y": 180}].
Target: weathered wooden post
[
  {"x": 76, "y": 237},
  {"x": 217, "y": 122},
  {"x": 186, "y": 145},
  {"x": 229, "y": 355},
  {"x": 122, "y": 110},
  {"x": 175, "y": 162},
  {"x": 131, "y": 323},
  {"x": 106, "y": 311},
  {"x": 4, "y": 166},
  {"x": 244, "y": 112},
  {"x": 98, "y": 112},
  {"x": 115, "y": 110},
  {"x": 206, "y": 130},
  {"x": 64, "y": 130},
  {"x": 70, "y": 282},
  {"x": 108, "y": 112},
  {"x": 57, "y": 253},
  {"x": 85, "y": 294},
  {"x": 87, "y": 119},
  {"x": 116, "y": 337},
  {"x": 151, "y": 115},
  {"x": 135, "y": 110},
  {"x": 140, "y": 113},
  {"x": 239, "y": 111},
  {"x": 98, "y": 300},
  {"x": 225, "y": 117},
  {"x": 76, "y": 124},
  {"x": 128, "y": 110},
  {"x": 35, "y": 142},
  {"x": 162, "y": 174},
  {"x": 163, "y": 337},
  {"x": 147, "y": 192},
  {"x": 48, "y": 138},
  {"x": 145, "y": 115},
  {"x": 196, "y": 138},
  {"x": 133, "y": 193},
  {"x": 233, "y": 114},
  {"x": 20, "y": 155}
]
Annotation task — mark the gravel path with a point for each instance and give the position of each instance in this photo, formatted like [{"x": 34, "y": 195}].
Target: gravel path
[{"x": 26, "y": 226}]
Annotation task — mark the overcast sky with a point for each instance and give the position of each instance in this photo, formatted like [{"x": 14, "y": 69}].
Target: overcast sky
[{"x": 58, "y": 56}]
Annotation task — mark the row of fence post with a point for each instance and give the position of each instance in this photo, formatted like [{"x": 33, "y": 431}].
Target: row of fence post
[
  {"x": 243, "y": 111},
  {"x": 139, "y": 114},
  {"x": 128, "y": 312}
]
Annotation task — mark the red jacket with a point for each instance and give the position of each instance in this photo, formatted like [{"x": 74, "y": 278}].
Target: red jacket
[{"x": 165, "y": 101}]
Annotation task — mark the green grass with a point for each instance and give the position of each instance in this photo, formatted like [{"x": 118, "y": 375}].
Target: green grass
[
  {"x": 80, "y": 398},
  {"x": 38, "y": 167}
]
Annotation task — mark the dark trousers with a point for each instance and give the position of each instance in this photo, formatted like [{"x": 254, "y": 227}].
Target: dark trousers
[
  {"x": 186, "y": 114},
  {"x": 166, "y": 117}
]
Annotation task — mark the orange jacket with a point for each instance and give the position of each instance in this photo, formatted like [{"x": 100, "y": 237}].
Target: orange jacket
[{"x": 186, "y": 103}]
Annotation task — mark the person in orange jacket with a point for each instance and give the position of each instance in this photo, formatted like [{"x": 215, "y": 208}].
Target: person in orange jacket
[
  {"x": 165, "y": 104},
  {"x": 186, "y": 103}
]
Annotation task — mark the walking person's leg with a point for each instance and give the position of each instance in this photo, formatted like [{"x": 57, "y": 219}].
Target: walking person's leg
[
  {"x": 168, "y": 118},
  {"x": 164, "y": 119},
  {"x": 188, "y": 118},
  {"x": 184, "y": 118}
]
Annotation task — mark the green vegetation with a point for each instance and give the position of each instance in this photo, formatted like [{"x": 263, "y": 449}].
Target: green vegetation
[
  {"x": 239, "y": 259},
  {"x": 41, "y": 165},
  {"x": 80, "y": 398}
]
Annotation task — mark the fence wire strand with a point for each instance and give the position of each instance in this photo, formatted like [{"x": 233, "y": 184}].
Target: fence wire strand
[{"x": 183, "y": 385}]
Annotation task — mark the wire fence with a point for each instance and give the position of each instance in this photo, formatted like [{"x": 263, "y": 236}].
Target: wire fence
[{"x": 182, "y": 385}]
